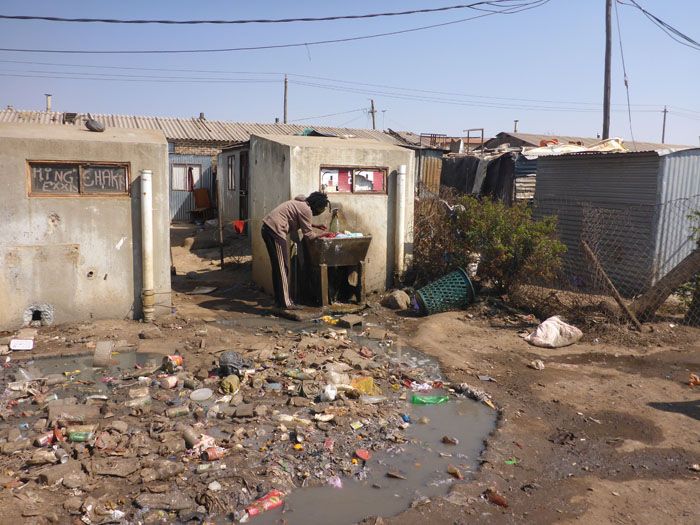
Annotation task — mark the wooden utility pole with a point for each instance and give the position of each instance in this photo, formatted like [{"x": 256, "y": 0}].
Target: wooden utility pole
[
  {"x": 608, "y": 58},
  {"x": 663, "y": 127},
  {"x": 284, "y": 116},
  {"x": 373, "y": 112}
]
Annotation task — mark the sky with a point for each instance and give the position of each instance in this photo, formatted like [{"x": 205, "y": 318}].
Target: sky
[{"x": 543, "y": 67}]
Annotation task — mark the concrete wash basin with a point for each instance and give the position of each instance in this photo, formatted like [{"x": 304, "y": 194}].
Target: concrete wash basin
[
  {"x": 326, "y": 252},
  {"x": 339, "y": 252}
]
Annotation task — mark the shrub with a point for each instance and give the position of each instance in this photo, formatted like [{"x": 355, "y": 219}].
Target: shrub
[{"x": 506, "y": 241}]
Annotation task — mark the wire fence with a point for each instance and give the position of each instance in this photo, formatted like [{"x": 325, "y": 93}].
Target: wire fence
[{"x": 629, "y": 263}]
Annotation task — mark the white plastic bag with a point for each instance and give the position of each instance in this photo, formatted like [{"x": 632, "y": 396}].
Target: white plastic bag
[{"x": 554, "y": 333}]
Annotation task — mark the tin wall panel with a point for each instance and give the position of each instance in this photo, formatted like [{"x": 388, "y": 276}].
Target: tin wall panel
[{"x": 182, "y": 202}]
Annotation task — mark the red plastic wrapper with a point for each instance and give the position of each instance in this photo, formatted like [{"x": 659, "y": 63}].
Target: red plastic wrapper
[{"x": 269, "y": 501}]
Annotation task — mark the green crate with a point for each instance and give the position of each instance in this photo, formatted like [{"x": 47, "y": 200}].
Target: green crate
[{"x": 453, "y": 291}]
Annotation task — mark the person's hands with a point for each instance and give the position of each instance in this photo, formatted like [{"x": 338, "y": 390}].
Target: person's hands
[{"x": 320, "y": 227}]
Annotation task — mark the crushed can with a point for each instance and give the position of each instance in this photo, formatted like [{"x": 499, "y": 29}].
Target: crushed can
[
  {"x": 269, "y": 501},
  {"x": 61, "y": 455},
  {"x": 214, "y": 453},
  {"x": 44, "y": 440}
]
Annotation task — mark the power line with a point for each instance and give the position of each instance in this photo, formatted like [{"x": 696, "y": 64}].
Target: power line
[
  {"x": 254, "y": 20},
  {"x": 671, "y": 31},
  {"x": 157, "y": 81},
  {"x": 329, "y": 115},
  {"x": 343, "y": 81},
  {"x": 406, "y": 96},
  {"x": 510, "y": 10}
]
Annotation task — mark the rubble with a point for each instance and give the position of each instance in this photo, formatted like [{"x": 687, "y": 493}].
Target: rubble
[{"x": 186, "y": 440}]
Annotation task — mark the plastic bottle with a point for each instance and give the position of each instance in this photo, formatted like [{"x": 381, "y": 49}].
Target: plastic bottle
[
  {"x": 419, "y": 399},
  {"x": 335, "y": 221}
]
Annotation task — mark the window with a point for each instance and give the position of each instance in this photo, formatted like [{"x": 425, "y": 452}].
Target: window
[
  {"x": 230, "y": 173},
  {"x": 78, "y": 178},
  {"x": 353, "y": 180},
  {"x": 186, "y": 177}
]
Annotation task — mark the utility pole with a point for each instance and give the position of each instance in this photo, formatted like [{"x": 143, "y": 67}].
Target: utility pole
[
  {"x": 284, "y": 116},
  {"x": 515, "y": 125},
  {"x": 663, "y": 127},
  {"x": 373, "y": 113},
  {"x": 608, "y": 58}
]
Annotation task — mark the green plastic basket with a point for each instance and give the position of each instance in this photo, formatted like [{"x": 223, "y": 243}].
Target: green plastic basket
[{"x": 451, "y": 292}]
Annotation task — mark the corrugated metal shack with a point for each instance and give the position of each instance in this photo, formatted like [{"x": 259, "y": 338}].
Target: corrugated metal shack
[{"x": 631, "y": 207}]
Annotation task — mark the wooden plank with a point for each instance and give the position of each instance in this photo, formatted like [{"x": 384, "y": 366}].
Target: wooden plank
[
  {"x": 609, "y": 284},
  {"x": 646, "y": 305}
]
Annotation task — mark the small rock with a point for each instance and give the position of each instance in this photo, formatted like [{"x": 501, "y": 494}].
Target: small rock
[
  {"x": 299, "y": 402},
  {"x": 214, "y": 486},
  {"x": 245, "y": 410},
  {"x": 151, "y": 332},
  {"x": 447, "y": 440},
  {"x": 349, "y": 321},
  {"x": 454, "y": 472},
  {"x": 537, "y": 364},
  {"x": 397, "y": 300},
  {"x": 260, "y": 410}
]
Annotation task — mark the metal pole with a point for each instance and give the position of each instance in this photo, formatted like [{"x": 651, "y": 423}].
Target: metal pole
[
  {"x": 373, "y": 111},
  {"x": 284, "y": 117},
  {"x": 515, "y": 125},
  {"x": 608, "y": 59},
  {"x": 663, "y": 127}
]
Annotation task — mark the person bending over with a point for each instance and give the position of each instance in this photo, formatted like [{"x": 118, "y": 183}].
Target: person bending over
[{"x": 289, "y": 217}]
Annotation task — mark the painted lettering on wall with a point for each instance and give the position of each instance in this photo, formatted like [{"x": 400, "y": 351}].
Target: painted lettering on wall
[
  {"x": 78, "y": 178},
  {"x": 55, "y": 178},
  {"x": 104, "y": 179}
]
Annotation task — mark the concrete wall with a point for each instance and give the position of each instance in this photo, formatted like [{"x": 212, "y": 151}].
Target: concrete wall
[
  {"x": 292, "y": 166},
  {"x": 269, "y": 186},
  {"x": 79, "y": 254}
]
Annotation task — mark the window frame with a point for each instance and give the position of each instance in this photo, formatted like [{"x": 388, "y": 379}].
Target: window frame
[
  {"x": 81, "y": 165},
  {"x": 353, "y": 169},
  {"x": 186, "y": 165}
]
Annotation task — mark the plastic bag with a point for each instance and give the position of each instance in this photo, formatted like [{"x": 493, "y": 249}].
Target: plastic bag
[
  {"x": 554, "y": 333},
  {"x": 365, "y": 385}
]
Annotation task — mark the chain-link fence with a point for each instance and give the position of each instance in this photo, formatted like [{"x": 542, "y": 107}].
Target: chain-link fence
[{"x": 631, "y": 263}]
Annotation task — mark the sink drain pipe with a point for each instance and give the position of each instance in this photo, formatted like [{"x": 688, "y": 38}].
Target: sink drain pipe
[
  {"x": 400, "y": 228},
  {"x": 147, "y": 295}
]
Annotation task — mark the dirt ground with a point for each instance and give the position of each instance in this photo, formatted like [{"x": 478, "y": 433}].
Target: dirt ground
[{"x": 606, "y": 433}]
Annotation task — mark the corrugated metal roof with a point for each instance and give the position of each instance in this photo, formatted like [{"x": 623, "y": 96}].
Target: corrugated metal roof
[
  {"x": 535, "y": 139},
  {"x": 211, "y": 131}
]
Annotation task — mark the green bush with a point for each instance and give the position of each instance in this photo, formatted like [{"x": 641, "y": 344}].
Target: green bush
[{"x": 508, "y": 243}]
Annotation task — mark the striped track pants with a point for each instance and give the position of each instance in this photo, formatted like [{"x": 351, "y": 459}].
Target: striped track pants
[{"x": 278, "y": 250}]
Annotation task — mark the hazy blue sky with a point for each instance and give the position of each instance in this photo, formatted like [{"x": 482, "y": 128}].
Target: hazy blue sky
[{"x": 552, "y": 55}]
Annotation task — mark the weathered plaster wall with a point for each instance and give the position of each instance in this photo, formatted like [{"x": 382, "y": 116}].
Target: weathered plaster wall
[
  {"x": 80, "y": 254},
  {"x": 269, "y": 186},
  {"x": 367, "y": 213}
]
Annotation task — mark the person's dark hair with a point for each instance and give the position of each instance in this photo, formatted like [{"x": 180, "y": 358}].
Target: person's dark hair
[{"x": 318, "y": 202}]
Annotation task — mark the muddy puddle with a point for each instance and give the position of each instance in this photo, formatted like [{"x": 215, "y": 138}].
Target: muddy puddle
[
  {"x": 397, "y": 474},
  {"x": 78, "y": 371}
]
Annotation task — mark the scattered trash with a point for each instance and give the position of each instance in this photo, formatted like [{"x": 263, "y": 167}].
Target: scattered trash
[
  {"x": 330, "y": 392},
  {"x": 395, "y": 474},
  {"x": 511, "y": 461},
  {"x": 493, "y": 496},
  {"x": 201, "y": 394},
  {"x": 694, "y": 380},
  {"x": 335, "y": 482},
  {"x": 22, "y": 344},
  {"x": 486, "y": 378},
  {"x": 537, "y": 364},
  {"x": 447, "y": 440},
  {"x": 363, "y": 454},
  {"x": 554, "y": 333},
  {"x": 269, "y": 501},
  {"x": 695, "y": 467},
  {"x": 475, "y": 394},
  {"x": 454, "y": 472}
]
